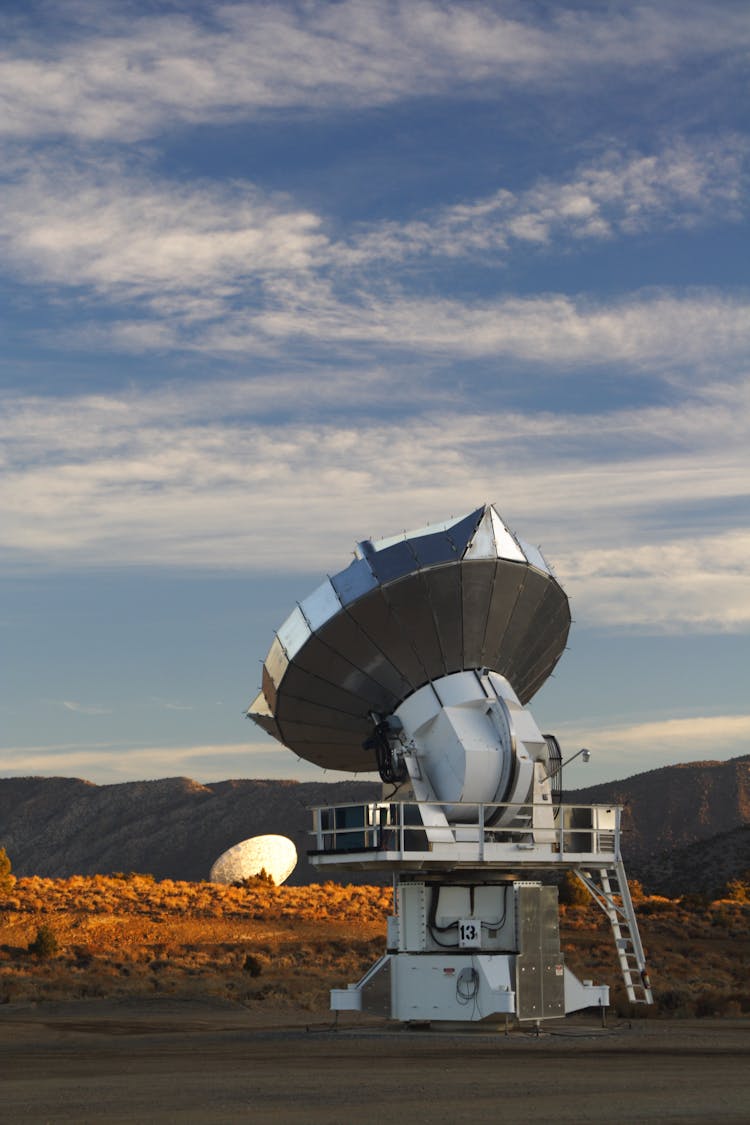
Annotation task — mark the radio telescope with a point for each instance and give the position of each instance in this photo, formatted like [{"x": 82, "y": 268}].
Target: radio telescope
[
  {"x": 276, "y": 855},
  {"x": 418, "y": 659}
]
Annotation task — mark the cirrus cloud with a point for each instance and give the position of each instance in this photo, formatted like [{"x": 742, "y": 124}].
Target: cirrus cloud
[
  {"x": 109, "y": 73},
  {"x": 100, "y": 480}
]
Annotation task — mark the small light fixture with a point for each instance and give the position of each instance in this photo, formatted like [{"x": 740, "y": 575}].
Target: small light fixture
[{"x": 585, "y": 754}]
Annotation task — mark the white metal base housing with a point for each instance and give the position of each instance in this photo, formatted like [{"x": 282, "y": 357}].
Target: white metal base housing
[
  {"x": 456, "y": 989},
  {"x": 471, "y": 952}
]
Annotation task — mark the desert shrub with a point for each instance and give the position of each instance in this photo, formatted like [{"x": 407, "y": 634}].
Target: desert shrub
[
  {"x": 675, "y": 1002},
  {"x": 252, "y": 965},
  {"x": 261, "y": 879},
  {"x": 656, "y": 904},
  {"x": 695, "y": 903},
  {"x": 45, "y": 943},
  {"x": 737, "y": 890},
  {"x": 625, "y": 1009},
  {"x": 572, "y": 892},
  {"x": 7, "y": 880},
  {"x": 713, "y": 1004}
]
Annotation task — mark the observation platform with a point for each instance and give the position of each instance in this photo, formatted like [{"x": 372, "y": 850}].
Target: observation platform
[{"x": 416, "y": 836}]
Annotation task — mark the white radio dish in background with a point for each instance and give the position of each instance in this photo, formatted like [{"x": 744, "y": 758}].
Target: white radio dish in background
[{"x": 276, "y": 855}]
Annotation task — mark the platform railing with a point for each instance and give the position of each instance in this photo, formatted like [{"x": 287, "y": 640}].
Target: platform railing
[{"x": 398, "y": 828}]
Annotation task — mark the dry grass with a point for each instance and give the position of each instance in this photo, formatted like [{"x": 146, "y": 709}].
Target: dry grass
[
  {"x": 130, "y": 936},
  {"x": 133, "y": 936},
  {"x": 698, "y": 955}
]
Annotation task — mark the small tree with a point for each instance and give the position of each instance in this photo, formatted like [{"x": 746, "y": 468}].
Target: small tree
[
  {"x": 45, "y": 943},
  {"x": 7, "y": 881},
  {"x": 253, "y": 965},
  {"x": 636, "y": 890}
]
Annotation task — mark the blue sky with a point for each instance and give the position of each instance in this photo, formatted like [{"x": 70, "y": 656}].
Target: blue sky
[{"x": 278, "y": 277}]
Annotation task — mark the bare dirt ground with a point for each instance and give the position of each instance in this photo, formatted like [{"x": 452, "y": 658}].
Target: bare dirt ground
[{"x": 182, "y": 1061}]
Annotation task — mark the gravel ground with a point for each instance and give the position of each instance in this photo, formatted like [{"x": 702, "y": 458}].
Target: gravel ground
[{"x": 169, "y": 1061}]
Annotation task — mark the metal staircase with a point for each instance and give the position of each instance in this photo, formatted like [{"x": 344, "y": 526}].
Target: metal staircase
[{"x": 608, "y": 886}]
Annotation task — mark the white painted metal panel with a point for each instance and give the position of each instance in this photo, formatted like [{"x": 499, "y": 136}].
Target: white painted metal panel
[
  {"x": 482, "y": 545},
  {"x": 453, "y": 903},
  {"x": 534, "y": 556},
  {"x": 459, "y": 688},
  {"x": 294, "y": 632},
  {"x": 496, "y": 971},
  {"x": 321, "y": 605}
]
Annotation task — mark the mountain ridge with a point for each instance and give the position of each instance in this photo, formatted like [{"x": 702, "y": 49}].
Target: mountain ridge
[{"x": 176, "y": 827}]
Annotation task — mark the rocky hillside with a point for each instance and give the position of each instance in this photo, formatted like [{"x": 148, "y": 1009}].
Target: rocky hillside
[
  {"x": 686, "y": 827},
  {"x": 174, "y": 828},
  {"x": 702, "y": 868},
  {"x": 670, "y": 813}
]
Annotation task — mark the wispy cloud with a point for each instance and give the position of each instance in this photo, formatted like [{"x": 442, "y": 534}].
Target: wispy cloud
[
  {"x": 172, "y": 705},
  {"x": 698, "y": 581},
  {"x": 192, "y": 248},
  {"x": 109, "y": 72},
  {"x": 660, "y": 329},
  {"x": 84, "y": 708},
  {"x": 619, "y": 498},
  {"x": 230, "y": 270},
  {"x": 95, "y": 223},
  {"x": 622, "y": 193},
  {"x": 696, "y": 732},
  {"x": 110, "y": 764},
  {"x": 620, "y": 751}
]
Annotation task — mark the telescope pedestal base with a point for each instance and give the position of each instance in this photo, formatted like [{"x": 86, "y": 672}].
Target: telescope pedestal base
[
  {"x": 412, "y": 987},
  {"x": 464, "y": 953}
]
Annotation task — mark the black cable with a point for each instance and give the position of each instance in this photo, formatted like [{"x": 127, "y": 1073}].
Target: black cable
[
  {"x": 445, "y": 944},
  {"x": 501, "y": 921},
  {"x": 432, "y": 921},
  {"x": 435, "y": 929},
  {"x": 467, "y": 986},
  {"x": 391, "y": 772}
]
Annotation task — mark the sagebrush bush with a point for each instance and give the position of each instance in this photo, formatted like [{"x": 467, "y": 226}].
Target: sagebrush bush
[{"x": 45, "y": 943}]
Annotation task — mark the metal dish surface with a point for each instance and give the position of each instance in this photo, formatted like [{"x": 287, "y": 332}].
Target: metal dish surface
[{"x": 452, "y": 597}]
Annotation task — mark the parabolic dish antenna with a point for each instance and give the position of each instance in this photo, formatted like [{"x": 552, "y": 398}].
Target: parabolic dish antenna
[
  {"x": 276, "y": 855},
  {"x": 453, "y": 597}
]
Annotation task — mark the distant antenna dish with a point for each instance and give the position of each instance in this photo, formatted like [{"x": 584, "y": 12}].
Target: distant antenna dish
[
  {"x": 276, "y": 855},
  {"x": 458, "y": 596}
]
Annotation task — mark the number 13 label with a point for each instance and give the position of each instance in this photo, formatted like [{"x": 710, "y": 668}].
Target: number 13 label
[{"x": 469, "y": 933}]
